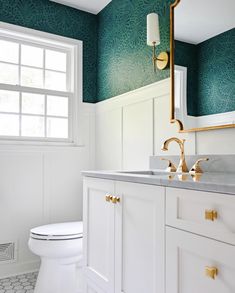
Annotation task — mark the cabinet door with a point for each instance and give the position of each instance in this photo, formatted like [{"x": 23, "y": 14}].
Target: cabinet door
[
  {"x": 139, "y": 238},
  {"x": 99, "y": 233},
  {"x": 189, "y": 259},
  {"x": 91, "y": 287}
]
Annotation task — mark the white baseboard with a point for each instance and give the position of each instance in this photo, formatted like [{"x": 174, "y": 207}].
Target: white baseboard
[{"x": 14, "y": 269}]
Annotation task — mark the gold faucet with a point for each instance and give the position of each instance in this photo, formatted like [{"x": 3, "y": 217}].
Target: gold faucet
[{"x": 182, "y": 164}]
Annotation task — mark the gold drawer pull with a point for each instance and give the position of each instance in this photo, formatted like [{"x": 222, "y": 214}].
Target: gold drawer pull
[
  {"x": 211, "y": 272},
  {"x": 211, "y": 215},
  {"x": 115, "y": 199},
  {"x": 108, "y": 197}
]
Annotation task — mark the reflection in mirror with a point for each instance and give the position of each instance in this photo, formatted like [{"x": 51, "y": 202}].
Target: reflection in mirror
[{"x": 204, "y": 63}]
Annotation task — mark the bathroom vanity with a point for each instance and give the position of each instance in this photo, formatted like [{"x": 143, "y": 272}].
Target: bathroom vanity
[{"x": 155, "y": 232}]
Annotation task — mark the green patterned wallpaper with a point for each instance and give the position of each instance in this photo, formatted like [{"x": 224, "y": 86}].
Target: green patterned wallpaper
[
  {"x": 118, "y": 33},
  {"x": 211, "y": 73},
  {"x": 58, "y": 19},
  {"x": 216, "y": 74},
  {"x": 124, "y": 59}
]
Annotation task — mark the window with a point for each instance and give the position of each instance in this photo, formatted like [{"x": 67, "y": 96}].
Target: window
[{"x": 38, "y": 100}]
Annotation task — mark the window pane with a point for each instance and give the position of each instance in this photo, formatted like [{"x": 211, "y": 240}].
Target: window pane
[
  {"x": 31, "y": 77},
  {"x": 9, "y": 51},
  {"x": 9, "y": 125},
  {"x": 32, "y": 126},
  {"x": 55, "y": 60},
  {"x": 33, "y": 103},
  {"x": 9, "y": 101},
  {"x": 9, "y": 73},
  {"x": 57, "y": 128},
  {"x": 57, "y": 106},
  {"x": 55, "y": 80},
  {"x": 31, "y": 56}
]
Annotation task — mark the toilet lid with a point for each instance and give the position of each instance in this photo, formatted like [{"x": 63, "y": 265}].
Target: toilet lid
[{"x": 60, "y": 231}]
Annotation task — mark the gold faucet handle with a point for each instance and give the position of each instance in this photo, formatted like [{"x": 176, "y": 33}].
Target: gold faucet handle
[
  {"x": 171, "y": 167},
  {"x": 196, "y": 168}
]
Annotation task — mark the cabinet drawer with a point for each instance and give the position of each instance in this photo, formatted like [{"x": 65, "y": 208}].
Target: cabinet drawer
[
  {"x": 204, "y": 213},
  {"x": 192, "y": 261}
]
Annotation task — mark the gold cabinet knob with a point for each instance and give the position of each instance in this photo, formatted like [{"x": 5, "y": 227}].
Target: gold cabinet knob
[
  {"x": 115, "y": 199},
  {"x": 211, "y": 215},
  {"x": 108, "y": 197},
  {"x": 211, "y": 272}
]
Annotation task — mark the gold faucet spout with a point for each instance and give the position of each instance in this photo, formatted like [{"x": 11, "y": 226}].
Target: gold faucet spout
[
  {"x": 182, "y": 164},
  {"x": 168, "y": 141}
]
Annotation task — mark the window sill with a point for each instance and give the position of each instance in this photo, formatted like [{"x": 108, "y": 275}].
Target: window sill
[{"x": 11, "y": 145}]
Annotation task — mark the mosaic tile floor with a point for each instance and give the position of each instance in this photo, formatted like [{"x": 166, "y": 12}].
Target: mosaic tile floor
[{"x": 18, "y": 284}]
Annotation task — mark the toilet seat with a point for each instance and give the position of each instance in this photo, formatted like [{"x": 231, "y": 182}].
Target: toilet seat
[{"x": 61, "y": 231}]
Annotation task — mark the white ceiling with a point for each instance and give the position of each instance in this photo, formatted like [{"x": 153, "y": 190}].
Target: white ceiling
[
  {"x": 92, "y": 6},
  {"x": 200, "y": 20}
]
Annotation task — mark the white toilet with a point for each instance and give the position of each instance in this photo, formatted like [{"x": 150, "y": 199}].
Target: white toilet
[{"x": 60, "y": 249}]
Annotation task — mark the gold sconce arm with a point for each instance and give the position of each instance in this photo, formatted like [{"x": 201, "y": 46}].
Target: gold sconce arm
[{"x": 161, "y": 61}]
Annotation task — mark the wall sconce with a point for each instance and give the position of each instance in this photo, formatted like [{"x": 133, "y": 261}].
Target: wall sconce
[{"x": 153, "y": 40}]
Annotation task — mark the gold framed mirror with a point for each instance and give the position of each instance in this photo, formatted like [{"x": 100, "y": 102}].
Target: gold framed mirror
[{"x": 202, "y": 64}]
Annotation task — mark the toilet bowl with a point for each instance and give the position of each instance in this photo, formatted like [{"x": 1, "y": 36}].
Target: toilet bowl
[{"x": 60, "y": 248}]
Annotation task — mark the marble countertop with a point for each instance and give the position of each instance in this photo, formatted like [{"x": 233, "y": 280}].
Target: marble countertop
[{"x": 219, "y": 182}]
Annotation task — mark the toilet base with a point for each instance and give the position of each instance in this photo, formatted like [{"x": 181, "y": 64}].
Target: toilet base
[{"x": 58, "y": 276}]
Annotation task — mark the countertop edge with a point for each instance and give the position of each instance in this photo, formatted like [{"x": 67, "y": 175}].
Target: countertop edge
[{"x": 161, "y": 181}]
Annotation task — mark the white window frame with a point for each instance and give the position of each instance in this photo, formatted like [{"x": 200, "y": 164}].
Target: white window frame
[{"x": 74, "y": 73}]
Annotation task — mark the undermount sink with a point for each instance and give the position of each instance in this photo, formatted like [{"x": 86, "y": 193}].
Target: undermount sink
[
  {"x": 182, "y": 176},
  {"x": 148, "y": 172}
]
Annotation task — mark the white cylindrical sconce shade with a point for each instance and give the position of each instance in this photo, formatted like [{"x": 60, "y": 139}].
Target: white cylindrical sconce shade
[{"x": 153, "y": 34}]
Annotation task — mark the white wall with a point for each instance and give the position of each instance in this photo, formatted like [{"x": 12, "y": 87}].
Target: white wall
[
  {"x": 41, "y": 185},
  {"x": 133, "y": 126}
]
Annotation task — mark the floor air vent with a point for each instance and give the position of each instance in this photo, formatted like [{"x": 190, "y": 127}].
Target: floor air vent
[{"x": 7, "y": 252}]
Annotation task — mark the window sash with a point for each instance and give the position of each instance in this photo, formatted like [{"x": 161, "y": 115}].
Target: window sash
[
  {"x": 44, "y": 46},
  {"x": 73, "y": 49},
  {"x": 45, "y": 92}
]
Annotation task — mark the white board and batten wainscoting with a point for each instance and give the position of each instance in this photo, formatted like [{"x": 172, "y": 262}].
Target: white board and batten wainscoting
[
  {"x": 131, "y": 127},
  {"x": 40, "y": 185}
]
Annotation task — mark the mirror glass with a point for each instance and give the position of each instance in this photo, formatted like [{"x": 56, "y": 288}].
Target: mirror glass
[{"x": 204, "y": 63}]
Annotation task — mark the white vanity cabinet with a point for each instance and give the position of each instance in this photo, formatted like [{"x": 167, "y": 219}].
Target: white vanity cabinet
[
  {"x": 124, "y": 241},
  {"x": 200, "y": 239},
  {"x": 156, "y": 239}
]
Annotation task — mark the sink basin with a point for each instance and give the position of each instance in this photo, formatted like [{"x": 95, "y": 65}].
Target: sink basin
[
  {"x": 168, "y": 175},
  {"x": 147, "y": 172}
]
